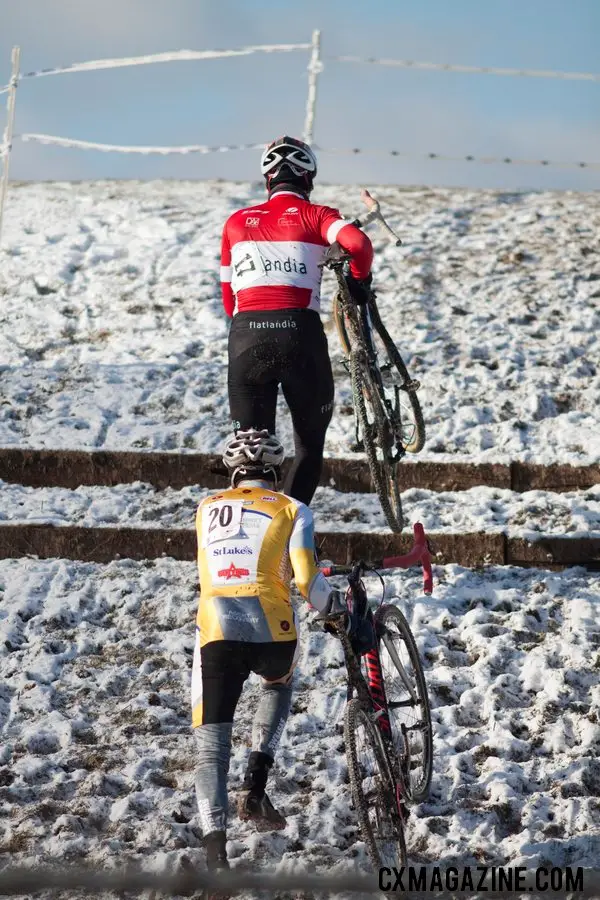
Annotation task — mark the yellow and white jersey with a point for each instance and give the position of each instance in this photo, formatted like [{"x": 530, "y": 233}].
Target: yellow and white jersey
[{"x": 251, "y": 541}]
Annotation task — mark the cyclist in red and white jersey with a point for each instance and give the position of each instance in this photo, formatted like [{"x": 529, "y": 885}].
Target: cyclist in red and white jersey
[{"x": 271, "y": 280}]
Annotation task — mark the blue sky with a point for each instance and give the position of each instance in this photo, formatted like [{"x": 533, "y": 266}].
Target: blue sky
[{"x": 254, "y": 98}]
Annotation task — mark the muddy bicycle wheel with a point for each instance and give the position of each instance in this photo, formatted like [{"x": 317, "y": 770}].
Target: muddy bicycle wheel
[
  {"x": 373, "y": 790},
  {"x": 399, "y": 388},
  {"x": 378, "y": 439},
  {"x": 407, "y": 697}
]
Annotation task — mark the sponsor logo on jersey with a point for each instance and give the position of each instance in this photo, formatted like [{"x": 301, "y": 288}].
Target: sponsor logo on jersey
[
  {"x": 232, "y": 572},
  {"x": 269, "y": 499},
  {"x": 231, "y": 551},
  {"x": 285, "y": 626},
  {"x": 285, "y": 323},
  {"x": 288, "y": 265},
  {"x": 286, "y": 221},
  {"x": 252, "y": 222},
  {"x": 292, "y": 209},
  {"x": 246, "y": 264},
  {"x": 238, "y": 617}
]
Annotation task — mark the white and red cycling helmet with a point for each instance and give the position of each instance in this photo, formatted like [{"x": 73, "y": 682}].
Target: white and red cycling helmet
[
  {"x": 253, "y": 453},
  {"x": 289, "y": 158}
]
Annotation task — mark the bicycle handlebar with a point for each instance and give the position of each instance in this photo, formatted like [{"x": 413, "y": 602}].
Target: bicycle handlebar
[
  {"x": 375, "y": 215},
  {"x": 420, "y": 553}
]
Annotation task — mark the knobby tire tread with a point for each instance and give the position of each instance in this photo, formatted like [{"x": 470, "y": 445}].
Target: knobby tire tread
[
  {"x": 383, "y": 475},
  {"x": 354, "y": 715},
  {"x": 393, "y": 353},
  {"x": 386, "y": 614}
]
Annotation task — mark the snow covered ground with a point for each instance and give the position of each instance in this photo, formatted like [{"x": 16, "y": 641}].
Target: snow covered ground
[
  {"x": 527, "y": 515},
  {"x": 112, "y": 335},
  {"x": 112, "y": 332},
  {"x": 97, "y": 759}
]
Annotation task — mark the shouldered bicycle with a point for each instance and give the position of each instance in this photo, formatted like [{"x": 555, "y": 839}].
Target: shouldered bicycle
[{"x": 387, "y": 413}]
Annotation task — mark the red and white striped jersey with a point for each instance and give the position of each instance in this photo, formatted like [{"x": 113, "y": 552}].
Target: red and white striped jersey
[{"x": 270, "y": 253}]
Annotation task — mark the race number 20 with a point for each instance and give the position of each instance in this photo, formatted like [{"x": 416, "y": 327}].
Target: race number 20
[{"x": 221, "y": 521}]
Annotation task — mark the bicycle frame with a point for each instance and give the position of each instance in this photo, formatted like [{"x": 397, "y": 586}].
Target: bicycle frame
[
  {"x": 378, "y": 707},
  {"x": 371, "y": 690},
  {"x": 361, "y": 320}
]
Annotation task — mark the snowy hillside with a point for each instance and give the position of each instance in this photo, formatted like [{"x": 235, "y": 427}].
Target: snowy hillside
[
  {"x": 112, "y": 332},
  {"x": 97, "y": 758},
  {"x": 112, "y": 336}
]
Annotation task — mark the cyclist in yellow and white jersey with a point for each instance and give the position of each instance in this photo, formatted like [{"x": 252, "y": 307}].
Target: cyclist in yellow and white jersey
[{"x": 251, "y": 541}]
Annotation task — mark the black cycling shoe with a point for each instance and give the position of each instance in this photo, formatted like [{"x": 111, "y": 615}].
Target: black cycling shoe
[
  {"x": 252, "y": 807},
  {"x": 216, "y": 861}
]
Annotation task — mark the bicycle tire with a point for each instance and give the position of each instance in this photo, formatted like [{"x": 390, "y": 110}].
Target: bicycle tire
[
  {"x": 390, "y": 620},
  {"x": 418, "y": 441},
  {"x": 373, "y": 793},
  {"x": 338, "y": 318},
  {"x": 383, "y": 472}
]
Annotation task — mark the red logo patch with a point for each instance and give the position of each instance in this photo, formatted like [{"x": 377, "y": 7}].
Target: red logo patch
[
  {"x": 232, "y": 572},
  {"x": 285, "y": 626}
]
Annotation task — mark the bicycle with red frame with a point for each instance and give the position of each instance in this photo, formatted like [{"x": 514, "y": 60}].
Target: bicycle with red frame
[{"x": 387, "y": 720}]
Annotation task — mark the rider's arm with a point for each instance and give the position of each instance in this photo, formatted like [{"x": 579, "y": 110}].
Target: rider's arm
[
  {"x": 310, "y": 581},
  {"x": 351, "y": 238},
  {"x": 360, "y": 248},
  {"x": 226, "y": 290}
]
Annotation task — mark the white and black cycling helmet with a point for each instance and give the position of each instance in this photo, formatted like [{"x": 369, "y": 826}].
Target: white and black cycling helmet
[
  {"x": 289, "y": 159},
  {"x": 253, "y": 453}
]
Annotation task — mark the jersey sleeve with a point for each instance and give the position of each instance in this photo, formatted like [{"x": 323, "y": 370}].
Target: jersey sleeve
[
  {"x": 335, "y": 228},
  {"x": 310, "y": 581},
  {"x": 225, "y": 275},
  {"x": 360, "y": 248}
]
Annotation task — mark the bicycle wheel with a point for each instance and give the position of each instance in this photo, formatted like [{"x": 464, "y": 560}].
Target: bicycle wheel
[
  {"x": 401, "y": 390},
  {"x": 408, "y": 701},
  {"x": 340, "y": 324},
  {"x": 377, "y": 438},
  {"x": 398, "y": 385},
  {"x": 373, "y": 789}
]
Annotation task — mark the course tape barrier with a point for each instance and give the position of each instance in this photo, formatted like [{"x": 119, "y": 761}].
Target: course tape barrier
[
  {"x": 469, "y": 70},
  {"x": 116, "y": 148},
  {"x": 169, "y": 56},
  {"x": 202, "y": 148},
  {"x": 188, "y": 55}
]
